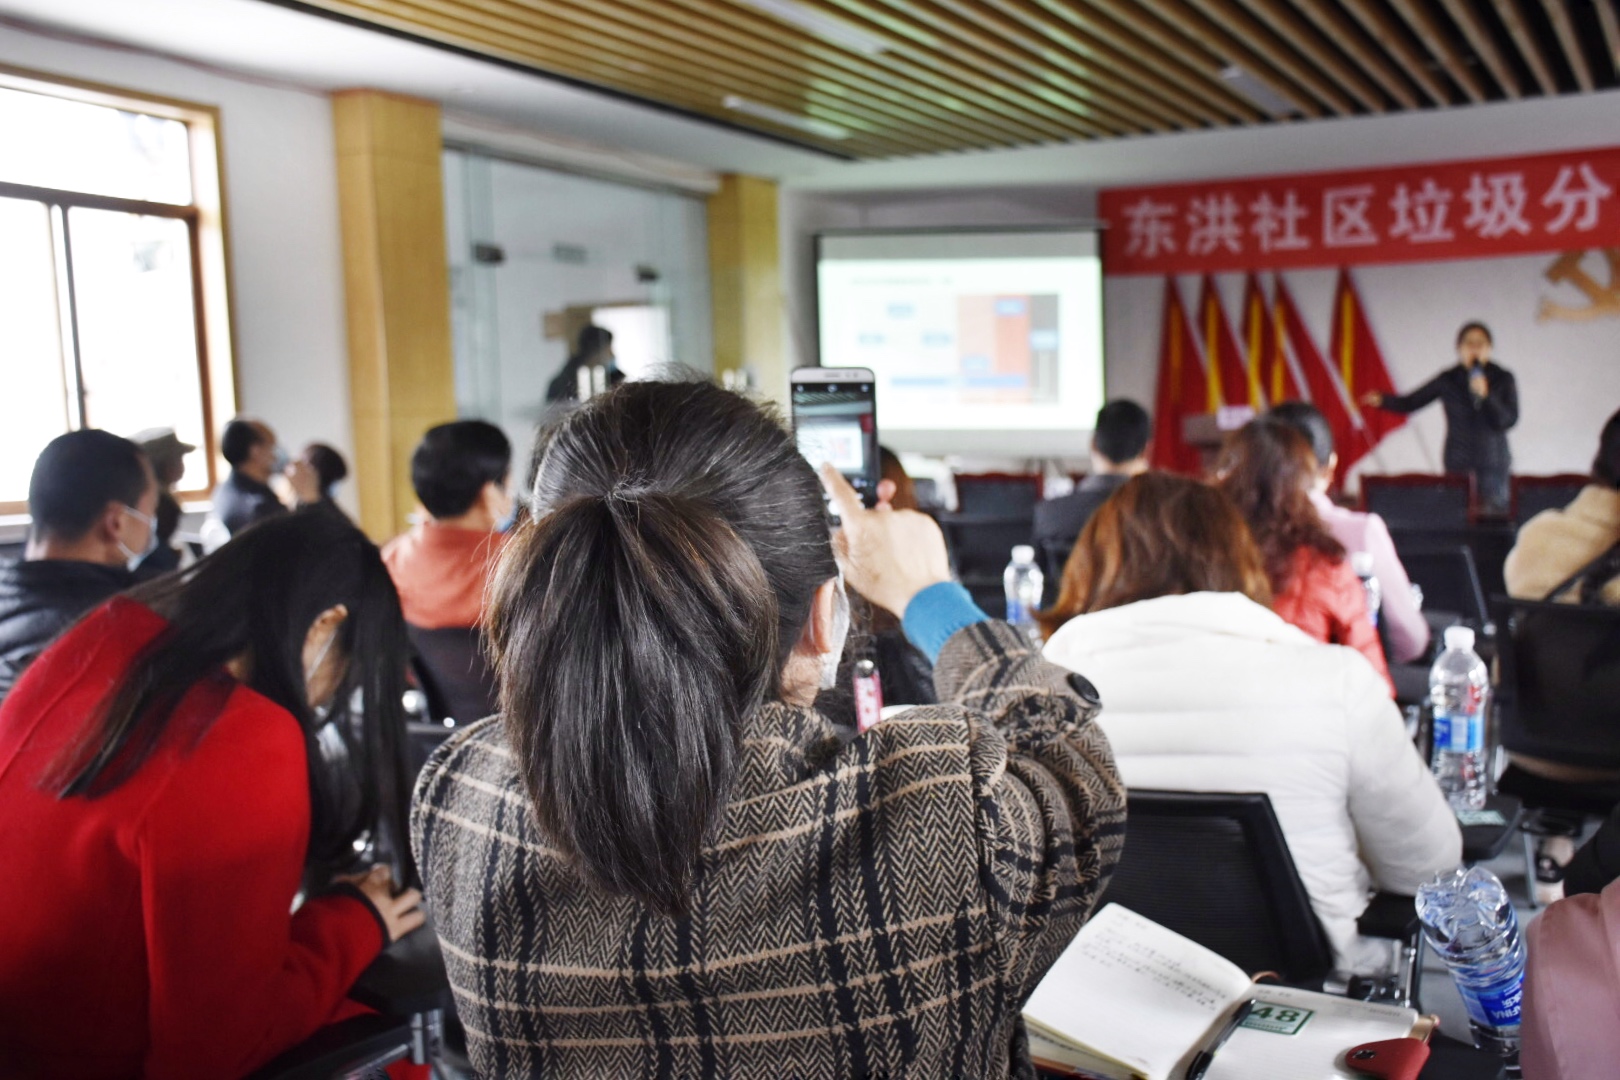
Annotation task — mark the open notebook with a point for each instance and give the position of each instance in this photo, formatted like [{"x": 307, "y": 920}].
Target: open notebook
[{"x": 1131, "y": 1000}]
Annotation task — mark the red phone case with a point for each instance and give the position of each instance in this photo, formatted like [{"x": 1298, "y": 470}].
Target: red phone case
[{"x": 1392, "y": 1059}]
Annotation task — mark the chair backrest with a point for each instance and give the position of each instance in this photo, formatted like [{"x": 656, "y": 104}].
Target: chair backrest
[
  {"x": 1449, "y": 580},
  {"x": 980, "y": 548},
  {"x": 1420, "y": 500},
  {"x": 997, "y": 493},
  {"x": 926, "y": 489},
  {"x": 1559, "y": 690},
  {"x": 1054, "y": 557},
  {"x": 1533, "y": 494},
  {"x": 1215, "y": 867},
  {"x": 454, "y": 673}
]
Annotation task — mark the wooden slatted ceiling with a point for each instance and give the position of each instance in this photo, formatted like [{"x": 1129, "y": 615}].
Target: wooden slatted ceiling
[{"x": 975, "y": 74}]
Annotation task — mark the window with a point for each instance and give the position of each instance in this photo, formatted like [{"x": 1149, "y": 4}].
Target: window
[{"x": 112, "y": 285}]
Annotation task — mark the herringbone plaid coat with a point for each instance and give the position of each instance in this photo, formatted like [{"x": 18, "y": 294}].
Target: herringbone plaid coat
[{"x": 881, "y": 908}]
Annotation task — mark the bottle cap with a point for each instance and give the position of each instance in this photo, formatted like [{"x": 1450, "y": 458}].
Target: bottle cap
[
  {"x": 1362, "y": 563},
  {"x": 1459, "y": 637},
  {"x": 1023, "y": 553}
]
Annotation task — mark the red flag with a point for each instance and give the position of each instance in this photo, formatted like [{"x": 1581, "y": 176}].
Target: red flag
[
  {"x": 1263, "y": 350},
  {"x": 1180, "y": 392},
  {"x": 1361, "y": 365},
  {"x": 1322, "y": 382},
  {"x": 1230, "y": 382}
]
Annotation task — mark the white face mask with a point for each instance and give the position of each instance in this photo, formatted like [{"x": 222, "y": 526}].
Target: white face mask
[
  {"x": 831, "y": 660},
  {"x": 133, "y": 558}
]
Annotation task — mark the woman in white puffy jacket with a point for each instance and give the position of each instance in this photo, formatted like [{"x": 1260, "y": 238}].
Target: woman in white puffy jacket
[{"x": 1164, "y": 606}]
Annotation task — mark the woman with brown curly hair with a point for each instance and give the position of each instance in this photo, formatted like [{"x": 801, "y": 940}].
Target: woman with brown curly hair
[
  {"x": 1163, "y": 606},
  {"x": 1267, "y": 469}
]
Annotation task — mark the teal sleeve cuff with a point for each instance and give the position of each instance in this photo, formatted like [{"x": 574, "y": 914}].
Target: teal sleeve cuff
[{"x": 938, "y": 612}]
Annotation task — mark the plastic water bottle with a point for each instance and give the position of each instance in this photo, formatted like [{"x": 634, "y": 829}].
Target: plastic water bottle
[
  {"x": 1469, "y": 921},
  {"x": 1362, "y": 563},
  {"x": 1459, "y": 689},
  {"x": 1023, "y": 581}
]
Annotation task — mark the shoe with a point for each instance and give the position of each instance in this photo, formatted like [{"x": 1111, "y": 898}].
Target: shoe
[{"x": 1552, "y": 855}]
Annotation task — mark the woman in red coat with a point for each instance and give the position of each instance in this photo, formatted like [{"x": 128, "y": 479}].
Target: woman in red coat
[
  {"x": 1268, "y": 468},
  {"x": 163, "y": 794}
]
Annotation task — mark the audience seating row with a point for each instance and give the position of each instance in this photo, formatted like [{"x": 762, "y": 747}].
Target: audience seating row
[{"x": 1449, "y": 501}]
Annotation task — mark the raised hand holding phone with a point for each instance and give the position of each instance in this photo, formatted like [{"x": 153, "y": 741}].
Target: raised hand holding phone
[
  {"x": 889, "y": 556},
  {"x": 835, "y": 421}
]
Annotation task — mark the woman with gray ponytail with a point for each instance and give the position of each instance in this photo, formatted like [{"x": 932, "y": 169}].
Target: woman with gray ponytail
[{"x": 659, "y": 860}]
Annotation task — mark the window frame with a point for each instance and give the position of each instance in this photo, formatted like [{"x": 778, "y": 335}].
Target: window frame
[{"x": 214, "y": 325}]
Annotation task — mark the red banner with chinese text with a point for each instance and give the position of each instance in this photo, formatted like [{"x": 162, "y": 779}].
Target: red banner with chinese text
[{"x": 1418, "y": 213}]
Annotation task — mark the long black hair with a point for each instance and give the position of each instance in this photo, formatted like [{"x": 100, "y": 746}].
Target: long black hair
[
  {"x": 644, "y": 613},
  {"x": 256, "y": 598}
]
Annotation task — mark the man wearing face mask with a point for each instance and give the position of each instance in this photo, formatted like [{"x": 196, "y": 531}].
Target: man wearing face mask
[
  {"x": 460, "y": 472},
  {"x": 92, "y": 499},
  {"x": 245, "y": 496}
]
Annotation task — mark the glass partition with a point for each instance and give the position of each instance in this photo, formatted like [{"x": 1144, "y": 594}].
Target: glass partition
[{"x": 536, "y": 255}]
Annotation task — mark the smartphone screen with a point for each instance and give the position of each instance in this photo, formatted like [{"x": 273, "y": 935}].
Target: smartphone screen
[{"x": 835, "y": 422}]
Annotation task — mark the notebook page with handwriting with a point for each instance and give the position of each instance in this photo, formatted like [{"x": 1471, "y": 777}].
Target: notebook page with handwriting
[{"x": 1130, "y": 990}]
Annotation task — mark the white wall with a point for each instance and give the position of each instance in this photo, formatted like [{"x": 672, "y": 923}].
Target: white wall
[
  {"x": 1569, "y": 374},
  {"x": 286, "y": 261}
]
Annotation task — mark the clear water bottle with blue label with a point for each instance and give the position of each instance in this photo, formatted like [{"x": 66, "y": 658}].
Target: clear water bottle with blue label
[
  {"x": 1459, "y": 690},
  {"x": 1023, "y": 582},
  {"x": 1468, "y": 919}
]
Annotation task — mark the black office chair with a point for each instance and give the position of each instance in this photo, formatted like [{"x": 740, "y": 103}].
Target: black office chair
[
  {"x": 410, "y": 991},
  {"x": 454, "y": 673},
  {"x": 1450, "y": 582},
  {"x": 1533, "y": 494},
  {"x": 980, "y": 546},
  {"x": 1054, "y": 557},
  {"x": 1215, "y": 867},
  {"x": 455, "y": 677},
  {"x": 361, "y": 1046},
  {"x": 997, "y": 494},
  {"x": 1558, "y": 699},
  {"x": 1420, "y": 500}
]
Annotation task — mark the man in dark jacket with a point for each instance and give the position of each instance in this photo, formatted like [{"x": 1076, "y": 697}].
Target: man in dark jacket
[
  {"x": 1118, "y": 446},
  {"x": 92, "y": 500},
  {"x": 1481, "y": 400},
  {"x": 245, "y": 496}
]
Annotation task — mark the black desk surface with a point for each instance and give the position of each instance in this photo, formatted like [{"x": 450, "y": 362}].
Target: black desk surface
[
  {"x": 1453, "y": 1060},
  {"x": 1483, "y": 842}
]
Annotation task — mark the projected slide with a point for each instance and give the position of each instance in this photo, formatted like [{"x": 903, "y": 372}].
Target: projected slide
[
  {"x": 969, "y": 349},
  {"x": 969, "y": 335}
]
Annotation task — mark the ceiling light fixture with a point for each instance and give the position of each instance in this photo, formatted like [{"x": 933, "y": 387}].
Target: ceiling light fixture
[
  {"x": 1257, "y": 93},
  {"x": 822, "y": 128},
  {"x": 824, "y": 26}
]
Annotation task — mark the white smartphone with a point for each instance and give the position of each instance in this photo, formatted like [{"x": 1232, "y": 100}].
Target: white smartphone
[{"x": 835, "y": 422}]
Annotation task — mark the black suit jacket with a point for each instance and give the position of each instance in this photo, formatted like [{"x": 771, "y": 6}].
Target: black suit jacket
[
  {"x": 1476, "y": 427},
  {"x": 42, "y": 598},
  {"x": 1060, "y": 520}
]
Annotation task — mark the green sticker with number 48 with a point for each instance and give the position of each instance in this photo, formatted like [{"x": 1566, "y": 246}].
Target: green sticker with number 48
[{"x": 1276, "y": 1019}]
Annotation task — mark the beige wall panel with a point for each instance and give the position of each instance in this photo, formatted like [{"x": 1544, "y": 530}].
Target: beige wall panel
[{"x": 401, "y": 368}]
